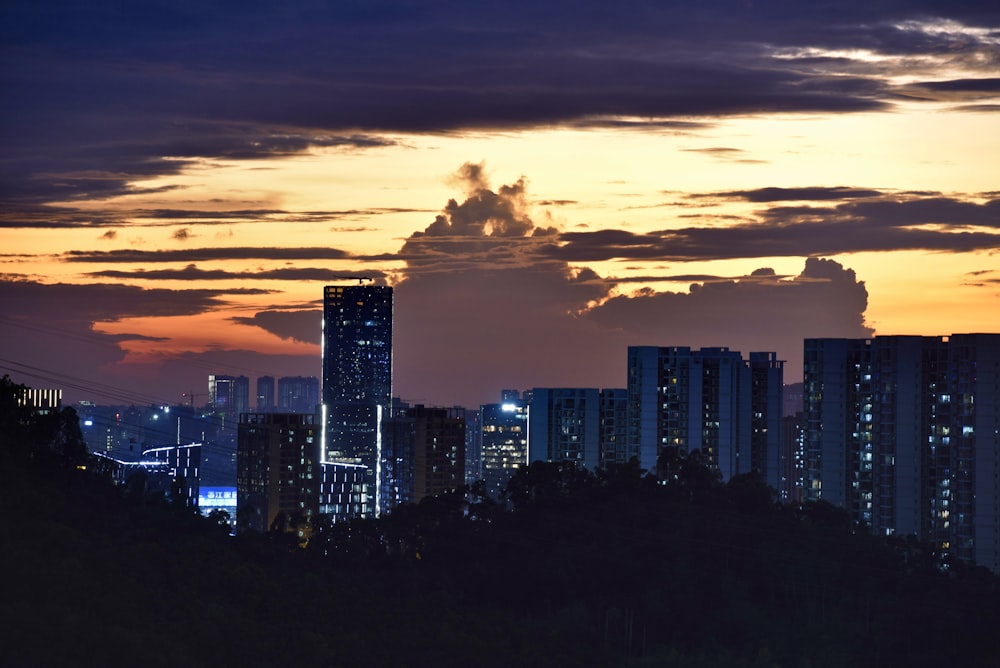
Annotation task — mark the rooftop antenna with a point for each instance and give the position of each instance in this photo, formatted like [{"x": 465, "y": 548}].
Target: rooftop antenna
[{"x": 351, "y": 277}]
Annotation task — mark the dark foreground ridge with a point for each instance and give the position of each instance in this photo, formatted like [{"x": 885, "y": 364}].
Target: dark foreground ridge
[{"x": 613, "y": 568}]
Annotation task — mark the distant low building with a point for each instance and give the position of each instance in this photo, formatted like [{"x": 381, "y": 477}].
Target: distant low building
[
  {"x": 184, "y": 466},
  {"x": 42, "y": 400},
  {"x": 218, "y": 498}
]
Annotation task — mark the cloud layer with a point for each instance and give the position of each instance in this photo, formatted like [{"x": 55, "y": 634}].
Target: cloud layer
[
  {"x": 483, "y": 305},
  {"x": 104, "y": 97},
  {"x": 110, "y": 93}
]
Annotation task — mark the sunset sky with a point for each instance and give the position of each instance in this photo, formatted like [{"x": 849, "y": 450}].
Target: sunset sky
[{"x": 544, "y": 184}]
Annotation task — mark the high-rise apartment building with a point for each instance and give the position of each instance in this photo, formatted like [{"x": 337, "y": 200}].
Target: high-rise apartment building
[
  {"x": 564, "y": 426},
  {"x": 504, "y": 442},
  {"x": 298, "y": 394},
  {"x": 277, "y": 473},
  {"x": 357, "y": 376},
  {"x": 229, "y": 396},
  {"x": 265, "y": 394},
  {"x": 473, "y": 445},
  {"x": 767, "y": 407},
  {"x": 423, "y": 455},
  {"x": 710, "y": 400},
  {"x": 791, "y": 460},
  {"x": 614, "y": 427},
  {"x": 904, "y": 432}
]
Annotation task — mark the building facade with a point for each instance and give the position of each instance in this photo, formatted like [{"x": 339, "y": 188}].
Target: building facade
[
  {"x": 424, "y": 455},
  {"x": 564, "y": 426},
  {"x": 229, "y": 396},
  {"x": 265, "y": 394},
  {"x": 184, "y": 468},
  {"x": 904, "y": 432},
  {"x": 298, "y": 394},
  {"x": 504, "y": 440},
  {"x": 277, "y": 472},
  {"x": 345, "y": 491},
  {"x": 710, "y": 400},
  {"x": 614, "y": 427}
]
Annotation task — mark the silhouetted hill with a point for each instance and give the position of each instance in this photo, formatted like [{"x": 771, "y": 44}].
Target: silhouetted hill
[{"x": 613, "y": 568}]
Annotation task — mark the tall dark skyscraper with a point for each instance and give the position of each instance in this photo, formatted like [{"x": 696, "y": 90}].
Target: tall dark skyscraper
[{"x": 357, "y": 376}]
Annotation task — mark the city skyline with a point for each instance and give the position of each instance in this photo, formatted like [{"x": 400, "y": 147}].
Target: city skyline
[{"x": 542, "y": 188}]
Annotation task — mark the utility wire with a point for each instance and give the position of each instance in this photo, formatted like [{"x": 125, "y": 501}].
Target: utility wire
[{"x": 102, "y": 341}]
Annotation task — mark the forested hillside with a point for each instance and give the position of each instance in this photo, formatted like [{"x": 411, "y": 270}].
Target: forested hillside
[{"x": 615, "y": 568}]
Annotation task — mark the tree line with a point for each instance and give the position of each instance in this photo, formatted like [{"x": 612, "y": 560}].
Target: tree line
[{"x": 618, "y": 567}]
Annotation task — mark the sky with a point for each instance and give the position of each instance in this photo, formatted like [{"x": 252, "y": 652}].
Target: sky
[{"x": 544, "y": 184}]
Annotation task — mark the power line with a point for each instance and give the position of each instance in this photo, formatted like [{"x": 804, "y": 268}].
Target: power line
[
  {"x": 73, "y": 382},
  {"x": 101, "y": 341}
]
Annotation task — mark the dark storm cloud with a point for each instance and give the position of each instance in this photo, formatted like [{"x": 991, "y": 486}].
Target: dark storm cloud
[
  {"x": 46, "y": 217},
  {"x": 856, "y": 225},
  {"x": 955, "y": 90},
  {"x": 49, "y": 331},
  {"x": 105, "y": 302},
  {"x": 645, "y": 125},
  {"x": 109, "y": 92},
  {"x": 206, "y": 254},
  {"x": 756, "y": 313},
  {"x": 982, "y": 278},
  {"x": 487, "y": 229},
  {"x": 974, "y": 108},
  {"x": 192, "y": 273},
  {"x": 533, "y": 320},
  {"x": 688, "y": 278},
  {"x": 305, "y": 326},
  {"x": 793, "y": 194},
  {"x": 477, "y": 309}
]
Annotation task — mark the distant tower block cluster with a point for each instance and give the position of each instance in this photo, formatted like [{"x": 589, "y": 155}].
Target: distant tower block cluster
[
  {"x": 295, "y": 394},
  {"x": 710, "y": 400},
  {"x": 357, "y": 378}
]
